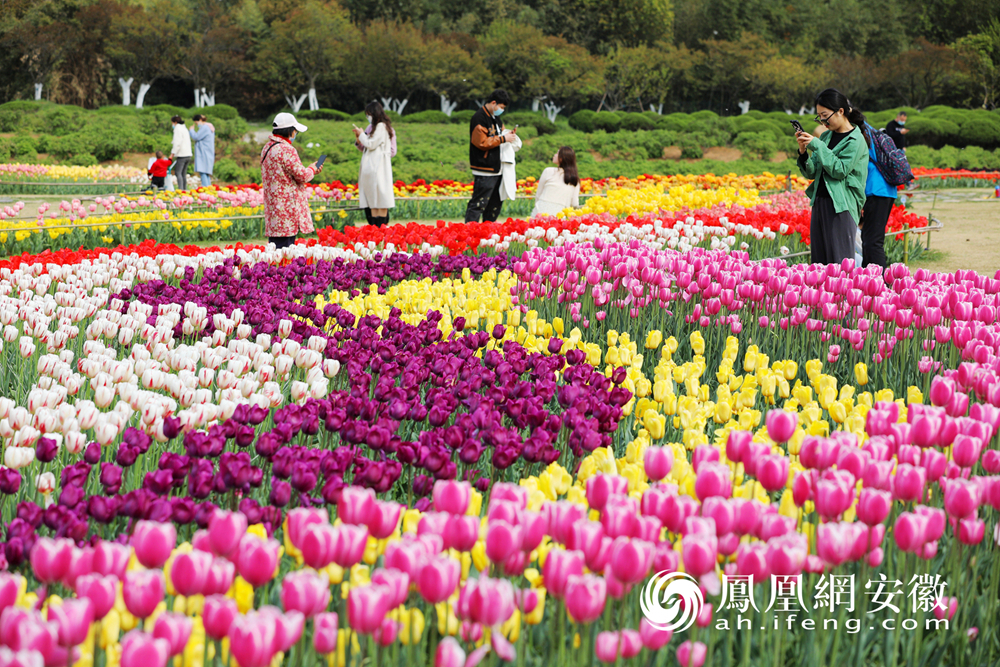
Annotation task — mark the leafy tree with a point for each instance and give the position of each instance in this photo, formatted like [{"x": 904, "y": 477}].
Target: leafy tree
[
  {"x": 921, "y": 75},
  {"x": 981, "y": 54},
  {"x": 311, "y": 43},
  {"x": 786, "y": 82},
  {"x": 628, "y": 23},
  {"x": 41, "y": 43},
  {"x": 724, "y": 69},
  {"x": 388, "y": 63},
  {"x": 216, "y": 51},
  {"x": 647, "y": 77},
  {"x": 145, "y": 45},
  {"x": 454, "y": 74}
]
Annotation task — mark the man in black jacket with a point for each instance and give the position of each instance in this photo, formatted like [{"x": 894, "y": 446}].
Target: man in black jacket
[
  {"x": 894, "y": 130},
  {"x": 486, "y": 133}
]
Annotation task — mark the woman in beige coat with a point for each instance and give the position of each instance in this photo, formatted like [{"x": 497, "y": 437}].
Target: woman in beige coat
[{"x": 559, "y": 186}]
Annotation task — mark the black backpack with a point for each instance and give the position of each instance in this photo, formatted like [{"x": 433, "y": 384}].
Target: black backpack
[{"x": 891, "y": 161}]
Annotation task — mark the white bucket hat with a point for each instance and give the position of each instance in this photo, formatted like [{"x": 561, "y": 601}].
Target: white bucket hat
[{"x": 283, "y": 120}]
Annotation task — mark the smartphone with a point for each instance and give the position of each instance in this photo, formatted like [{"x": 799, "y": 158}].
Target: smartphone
[
  {"x": 321, "y": 160},
  {"x": 797, "y": 125}
]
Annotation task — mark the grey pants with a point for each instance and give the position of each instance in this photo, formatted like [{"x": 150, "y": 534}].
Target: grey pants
[
  {"x": 831, "y": 234},
  {"x": 180, "y": 171}
]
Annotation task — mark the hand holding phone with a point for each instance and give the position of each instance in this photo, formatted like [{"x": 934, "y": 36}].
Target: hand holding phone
[
  {"x": 797, "y": 125},
  {"x": 320, "y": 161}
]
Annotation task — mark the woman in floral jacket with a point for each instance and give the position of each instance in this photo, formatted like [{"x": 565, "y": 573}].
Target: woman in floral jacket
[{"x": 283, "y": 179}]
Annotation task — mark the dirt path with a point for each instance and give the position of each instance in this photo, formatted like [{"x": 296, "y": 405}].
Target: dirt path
[{"x": 971, "y": 235}]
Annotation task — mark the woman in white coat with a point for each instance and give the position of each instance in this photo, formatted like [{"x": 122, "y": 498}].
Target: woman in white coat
[
  {"x": 375, "y": 180},
  {"x": 559, "y": 186},
  {"x": 508, "y": 186}
]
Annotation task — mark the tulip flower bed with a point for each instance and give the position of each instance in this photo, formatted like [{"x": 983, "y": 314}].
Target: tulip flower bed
[
  {"x": 483, "y": 449},
  {"x": 927, "y": 178}
]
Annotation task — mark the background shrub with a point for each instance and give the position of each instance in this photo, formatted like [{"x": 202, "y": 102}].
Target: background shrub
[
  {"x": 758, "y": 145},
  {"x": 583, "y": 120}
]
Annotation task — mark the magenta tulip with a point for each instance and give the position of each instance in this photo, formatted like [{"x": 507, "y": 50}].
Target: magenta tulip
[
  {"x": 910, "y": 531},
  {"x": 325, "y": 633},
  {"x": 253, "y": 639},
  {"x": 153, "y": 542},
  {"x": 786, "y": 555},
  {"x": 699, "y": 552},
  {"x": 111, "y": 558},
  {"x": 357, "y": 505},
  {"x": 384, "y": 519},
  {"x": 367, "y": 607},
  {"x": 50, "y": 559},
  {"x": 502, "y": 540},
  {"x": 143, "y": 650},
  {"x": 606, "y": 646},
  {"x": 438, "y": 579},
  {"x": 218, "y": 615},
  {"x": 961, "y": 497},
  {"x": 772, "y": 471},
  {"x": 72, "y": 619},
  {"x": 305, "y": 591},
  {"x": 257, "y": 559},
  {"x": 602, "y": 487},
  {"x": 585, "y": 596},
  {"x": 652, "y": 637},
  {"x": 451, "y": 496},
  {"x": 873, "y": 506},
  {"x": 225, "y": 530},
  {"x": 657, "y": 462},
  {"x": 300, "y": 519},
  {"x": 100, "y": 590},
  {"x": 971, "y": 530},
  {"x": 559, "y": 566},
  {"x": 781, "y": 424},
  {"x": 449, "y": 654},
  {"x": 10, "y": 589},
  {"x": 691, "y": 655},
  {"x": 142, "y": 591},
  {"x": 175, "y": 628},
  {"x": 189, "y": 572}
]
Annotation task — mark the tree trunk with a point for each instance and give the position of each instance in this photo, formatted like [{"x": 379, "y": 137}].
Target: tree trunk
[
  {"x": 447, "y": 107},
  {"x": 744, "y": 106},
  {"x": 126, "y": 85},
  {"x": 141, "y": 95},
  {"x": 296, "y": 103},
  {"x": 387, "y": 103},
  {"x": 552, "y": 111},
  {"x": 656, "y": 108},
  {"x": 400, "y": 105},
  {"x": 207, "y": 99},
  {"x": 535, "y": 103},
  {"x": 313, "y": 101},
  {"x": 197, "y": 98},
  {"x": 38, "y": 90}
]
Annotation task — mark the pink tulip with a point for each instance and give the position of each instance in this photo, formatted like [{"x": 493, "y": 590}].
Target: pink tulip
[
  {"x": 10, "y": 588},
  {"x": 50, "y": 559},
  {"x": 225, "y": 530},
  {"x": 704, "y": 454},
  {"x": 502, "y": 647},
  {"x": 111, "y": 558},
  {"x": 487, "y": 601},
  {"x": 394, "y": 581},
  {"x": 619, "y": 517},
  {"x": 142, "y": 591},
  {"x": 559, "y": 566},
  {"x": 253, "y": 639},
  {"x": 561, "y": 516},
  {"x": 143, "y": 650},
  {"x": 910, "y": 531},
  {"x": 836, "y": 542},
  {"x": 189, "y": 572},
  {"x": 786, "y": 555},
  {"x": 834, "y": 493},
  {"x": 699, "y": 552},
  {"x": 875, "y": 557},
  {"x": 966, "y": 450},
  {"x": 657, "y": 462},
  {"x": 386, "y": 633},
  {"x": 10, "y": 658},
  {"x": 350, "y": 544},
  {"x": 384, "y": 519},
  {"x": 288, "y": 627},
  {"x": 971, "y": 530},
  {"x": 257, "y": 559},
  {"x": 300, "y": 519},
  {"x": 73, "y": 619},
  {"x": 101, "y": 591},
  {"x": 220, "y": 577},
  {"x": 585, "y": 596},
  {"x": 606, "y": 647},
  {"x": 961, "y": 497},
  {"x": 629, "y": 643},
  {"x": 438, "y": 579},
  {"x": 306, "y": 592},
  {"x": 945, "y": 607},
  {"x": 873, "y": 506},
  {"x": 781, "y": 425},
  {"x": 652, "y": 637},
  {"x": 752, "y": 560},
  {"x": 602, "y": 487},
  {"x": 325, "y": 633},
  {"x": 691, "y": 655},
  {"x": 533, "y": 527},
  {"x": 942, "y": 391},
  {"x": 153, "y": 542},
  {"x": 746, "y": 516},
  {"x": 713, "y": 479},
  {"x": 772, "y": 470},
  {"x": 451, "y": 496},
  {"x": 357, "y": 505},
  {"x": 175, "y": 628},
  {"x": 630, "y": 559},
  {"x": 367, "y": 607},
  {"x": 81, "y": 562},
  {"x": 502, "y": 540},
  {"x": 218, "y": 615},
  {"x": 449, "y": 654},
  {"x": 737, "y": 445}
]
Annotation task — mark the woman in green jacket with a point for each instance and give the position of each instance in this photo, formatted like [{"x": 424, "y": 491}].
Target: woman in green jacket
[{"x": 837, "y": 162}]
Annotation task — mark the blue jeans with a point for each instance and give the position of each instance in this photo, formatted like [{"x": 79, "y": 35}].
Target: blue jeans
[{"x": 206, "y": 179}]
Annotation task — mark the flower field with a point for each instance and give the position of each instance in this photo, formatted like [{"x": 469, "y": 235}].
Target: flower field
[{"x": 475, "y": 444}]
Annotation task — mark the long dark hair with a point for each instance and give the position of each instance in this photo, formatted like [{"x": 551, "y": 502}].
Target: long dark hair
[
  {"x": 833, "y": 99},
  {"x": 567, "y": 162},
  {"x": 375, "y": 110}
]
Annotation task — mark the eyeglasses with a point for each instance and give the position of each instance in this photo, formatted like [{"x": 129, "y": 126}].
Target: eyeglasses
[{"x": 825, "y": 121}]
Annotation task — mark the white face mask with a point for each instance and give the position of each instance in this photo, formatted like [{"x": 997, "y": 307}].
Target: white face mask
[{"x": 369, "y": 119}]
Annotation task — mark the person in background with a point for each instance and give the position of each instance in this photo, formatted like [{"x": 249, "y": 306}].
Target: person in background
[
  {"x": 180, "y": 152},
  {"x": 375, "y": 189},
  {"x": 559, "y": 186},
  {"x": 508, "y": 171},
  {"x": 486, "y": 134},
  {"x": 203, "y": 134},
  {"x": 158, "y": 170},
  {"x": 283, "y": 181},
  {"x": 392, "y": 154},
  {"x": 879, "y": 200},
  {"x": 838, "y": 164},
  {"x": 895, "y": 130}
]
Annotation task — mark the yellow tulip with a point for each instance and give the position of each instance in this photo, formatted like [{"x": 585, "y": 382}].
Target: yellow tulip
[
  {"x": 653, "y": 339},
  {"x": 861, "y": 373},
  {"x": 697, "y": 342},
  {"x": 655, "y": 423},
  {"x": 535, "y": 617},
  {"x": 914, "y": 395}
]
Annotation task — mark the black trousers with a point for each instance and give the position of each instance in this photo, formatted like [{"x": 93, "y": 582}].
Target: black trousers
[
  {"x": 372, "y": 220},
  {"x": 831, "y": 233},
  {"x": 873, "y": 221},
  {"x": 485, "y": 202},
  {"x": 157, "y": 181},
  {"x": 282, "y": 241}
]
